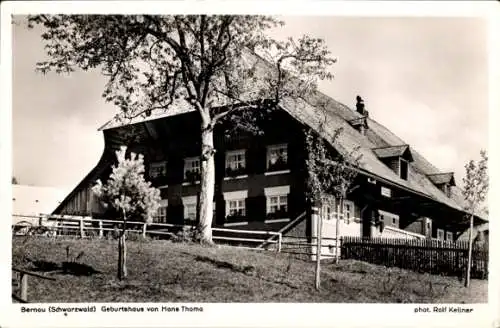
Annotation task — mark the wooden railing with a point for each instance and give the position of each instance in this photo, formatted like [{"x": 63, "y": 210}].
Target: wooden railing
[
  {"x": 22, "y": 283},
  {"x": 86, "y": 227},
  {"x": 280, "y": 232}
]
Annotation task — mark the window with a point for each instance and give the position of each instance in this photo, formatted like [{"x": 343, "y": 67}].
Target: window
[
  {"x": 449, "y": 235},
  {"x": 394, "y": 220},
  {"x": 277, "y": 157},
  {"x": 157, "y": 169},
  {"x": 403, "y": 169},
  {"x": 236, "y": 207},
  {"x": 190, "y": 207},
  {"x": 327, "y": 211},
  {"x": 235, "y": 161},
  {"x": 447, "y": 189},
  {"x": 277, "y": 199},
  {"x": 235, "y": 203},
  {"x": 440, "y": 234},
  {"x": 192, "y": 168},
  {"x": 161, "y": 215},
  {"x": 277, "y": 204},
  {"x": 348, "y": 209}
]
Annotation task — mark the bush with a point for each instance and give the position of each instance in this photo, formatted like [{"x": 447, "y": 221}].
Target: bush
[{"x": 186, "y": 235}]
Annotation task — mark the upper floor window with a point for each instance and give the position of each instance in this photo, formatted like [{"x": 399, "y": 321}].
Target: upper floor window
[
  {"x": 277, "y": 157},
  {"x": 403, "y": 169},
  {"x": 158, "y": 169},
  {"x": 397, "y": 158},
  {"x": 277, "y": 200},
  {"x": 449, "y": 235},
  {"x": 161, "y": 215},
  {"x": 235, "y": 203},
  {"x": 235, "y": 161},
  {"x": 192, "y": 168}
]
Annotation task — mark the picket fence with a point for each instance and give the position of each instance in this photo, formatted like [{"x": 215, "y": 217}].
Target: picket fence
[{"x": 424, "y": 255}]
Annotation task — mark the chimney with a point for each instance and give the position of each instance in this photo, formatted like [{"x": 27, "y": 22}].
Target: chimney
[{"x": 360, "y": 106}]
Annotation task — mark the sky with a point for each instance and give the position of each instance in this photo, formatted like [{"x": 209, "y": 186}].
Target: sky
[{"x": 426, "y": 79}]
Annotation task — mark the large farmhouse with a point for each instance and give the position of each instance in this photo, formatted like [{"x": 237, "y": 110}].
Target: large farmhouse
[{"x": 260, "y": 179}]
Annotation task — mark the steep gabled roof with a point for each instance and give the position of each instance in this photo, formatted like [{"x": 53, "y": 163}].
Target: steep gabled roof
[
  {"x": 441, "y": 178},
  {"x": 377, "y": 142}
]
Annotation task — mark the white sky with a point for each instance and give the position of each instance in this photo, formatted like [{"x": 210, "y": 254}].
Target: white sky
[{"x": 426, "y": 79}]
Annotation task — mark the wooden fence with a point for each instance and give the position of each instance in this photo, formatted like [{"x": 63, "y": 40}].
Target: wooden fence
[
  {"x": 86, "y": 227},
  {"x": 431, "y": 256}
]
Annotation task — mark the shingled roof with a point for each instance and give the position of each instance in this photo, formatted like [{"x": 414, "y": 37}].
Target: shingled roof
[{"x": 377, "y": 142}]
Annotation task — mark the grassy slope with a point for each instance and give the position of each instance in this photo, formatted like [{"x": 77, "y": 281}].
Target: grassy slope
[{"x": 161, "y": 271}]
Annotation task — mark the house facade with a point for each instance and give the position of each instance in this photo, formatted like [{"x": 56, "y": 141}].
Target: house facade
[{"x": 261, "y": 178}]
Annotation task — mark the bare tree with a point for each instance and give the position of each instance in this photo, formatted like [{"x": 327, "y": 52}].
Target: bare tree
[
  {"x": 475, "y": 190},
  {"x": 329, "y": 174},
  {"x": 207, "y": 63}
]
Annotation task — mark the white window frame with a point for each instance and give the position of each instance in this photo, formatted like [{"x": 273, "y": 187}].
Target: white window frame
[
  {"x": 350, "y": 213},
  {"x": 188, "y": 201},
  {"x": 230, "y": 163},
  {"x": 161, "y": 214},
  {"x": 440, "y": 231},
  {"x": 157, "y": 166},
  {"x": 188, "y": 165},
  {"x": 235, "y": 196},
  {"x": 280, "y": 192},
  {"x": 328, "y": 210},
  {"x": 448, "y": 234},
  {"x": 271, "y": 148}
]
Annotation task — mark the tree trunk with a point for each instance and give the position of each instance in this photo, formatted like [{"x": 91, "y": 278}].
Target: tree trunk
[
  {"x": 469, "y": 255},
  {"x": 317, "y": 211},
  {"x": 340, "y": 209},
  {"x": 122, "y": 251},
  {"x": 207, "y": 185}
]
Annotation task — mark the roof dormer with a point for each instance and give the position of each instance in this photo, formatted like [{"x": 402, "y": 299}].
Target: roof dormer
[
  {"x": 360, "y": 124},
  {"x": 444, "y": 181},
  {"x": 397, "y": 158}
]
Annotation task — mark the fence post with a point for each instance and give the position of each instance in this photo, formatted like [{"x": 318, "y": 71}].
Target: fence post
[
  {"x": 101, "y": 232},
  {"x": 144, "y": 230},
  {"x": 316, "y": 219},
  {"x": 24, "y": 285},
  {"x": 82, "y": 233},
  {"x": 279, "y": 242}
]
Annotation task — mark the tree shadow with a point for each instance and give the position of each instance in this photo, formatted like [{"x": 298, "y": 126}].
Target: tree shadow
[
  {"x": 66, "y": 267},
  {"x": 226, "y": 265},
  {"x": 248, "y": 270}
]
